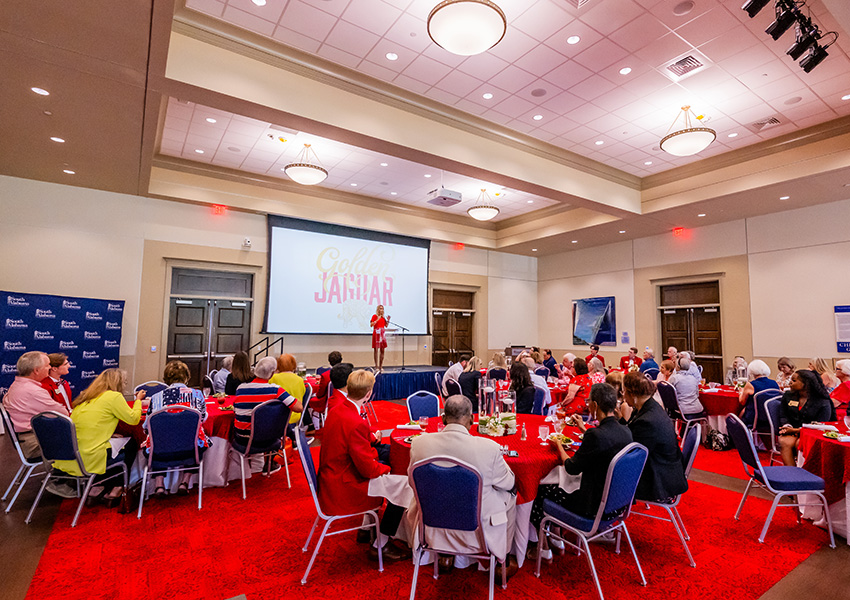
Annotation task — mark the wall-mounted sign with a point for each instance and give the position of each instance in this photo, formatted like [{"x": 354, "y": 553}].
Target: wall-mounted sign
[{"x": 842, "y": 328}]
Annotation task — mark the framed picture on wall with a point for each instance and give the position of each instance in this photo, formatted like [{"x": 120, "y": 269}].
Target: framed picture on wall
[{"x": 595, "y": 321}]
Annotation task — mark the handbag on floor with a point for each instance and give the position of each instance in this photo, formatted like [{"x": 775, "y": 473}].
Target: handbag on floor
[{"x": 717, "y": 441}]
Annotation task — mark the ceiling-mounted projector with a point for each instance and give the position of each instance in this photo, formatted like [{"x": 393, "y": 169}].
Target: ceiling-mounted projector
[{"x": 444, "y": 197}]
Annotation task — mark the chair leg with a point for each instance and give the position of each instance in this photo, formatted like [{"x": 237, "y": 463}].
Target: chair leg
[
  {"x": 743, "y": 499},
  {"x": 37, "y": 498},
  {"x": 505, "y": 573},
  {"x": 436, "y": 565},
  {"x": 583, "y": 542},
  {"x": 200, "y": 484},
  {"x": 681, "y": 523},
  {"x": 242, "y": 470},
  {"x": 828, "y": 520},
  {"x": 20, "y": 487},
  {"x": 674, "y": 517},
  {"x": 83, "y": 500},
  {"x": 632, "y": 547},
  {"x": 310, "y": 536},
  {"x": 316, "y": 550},
  {"x": 539, "y": 545},
  {"x": 377, "y": 537},
  {"x": 417, "y": 557},
  {"x": 12, "y": 484},
  {"x": 770, "y": 516},
  {"x": 286, "y": 466},
  {"x": 492, "y": 575},
  {"x": 142, "y": 494}
]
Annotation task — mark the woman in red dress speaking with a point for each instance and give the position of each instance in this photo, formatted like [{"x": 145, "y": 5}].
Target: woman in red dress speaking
[{"x": 379, "y": 335}]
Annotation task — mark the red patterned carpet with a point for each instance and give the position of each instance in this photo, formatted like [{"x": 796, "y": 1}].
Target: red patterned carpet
[{"x": 253, "y": 547}]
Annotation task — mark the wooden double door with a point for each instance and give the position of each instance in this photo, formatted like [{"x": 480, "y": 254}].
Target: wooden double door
[
  {"x": 695, "y": 328},
  {"x": 451, "y": 326}
]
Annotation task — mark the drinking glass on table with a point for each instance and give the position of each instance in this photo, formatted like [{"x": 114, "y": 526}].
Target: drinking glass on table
[
  {"x": 543, "y": 434},
  {"x": 423, "y": 422}
]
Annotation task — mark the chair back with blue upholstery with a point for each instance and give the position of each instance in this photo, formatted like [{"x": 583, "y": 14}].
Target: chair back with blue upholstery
[
  {"x": 150, "y": 387},
  {"x": 207, "y": 385},
  {"x": 453, "y": 387},
  {"x": 690, "y": 445},
  {"x": 321, "y": 370},
  {"x": 423, "y": 404},
  {"x": 539, "y": 399},
  {"x": 309, "y": 468},
  {"x": 438, "y": 379},
  {"x": 668, "y": 397},
  {"x": 651, "y": 373},
  {"x": 772, "y": 409},
  {"x": 306, "y": 419},
  {"x": 543, "y": 372},
  {"x": 759, "y": 399},
  {"x": 57, "y": 436},
  {"x": 10, "y": 429},
  {"x": 743, "y": 441},
  {"x": 268, "y": 426},
  {"x": 621, "y": 484},
  {"x": 442, "y": 481},
  {"x": 173, "y": 432},
  {"x": 497, "y": 373}
]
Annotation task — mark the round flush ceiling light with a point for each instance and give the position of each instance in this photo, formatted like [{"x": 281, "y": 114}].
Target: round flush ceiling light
[
  {"x": 40, "y": 91},
  {"x": 467, "y": 27}
]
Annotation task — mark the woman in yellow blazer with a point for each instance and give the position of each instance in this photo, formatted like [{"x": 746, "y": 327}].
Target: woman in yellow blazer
[
  {"x": 96, "y": 413},
  {"x": 288, "y": 380}
]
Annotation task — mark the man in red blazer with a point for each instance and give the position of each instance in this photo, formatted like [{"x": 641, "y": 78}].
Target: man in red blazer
[
  {"x": 347, "y": 461},
  {"x": 594, "y": 353},
  {"x": 632, "y": 358},
  {"x": 59, "y": 389}
]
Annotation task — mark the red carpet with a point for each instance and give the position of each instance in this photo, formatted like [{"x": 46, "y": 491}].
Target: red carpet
[
  {"x": 725, "y": 462},
  {"x": 253, "y": 547}
]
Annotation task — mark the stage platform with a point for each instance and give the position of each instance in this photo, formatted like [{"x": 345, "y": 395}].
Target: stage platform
[{"x": 393, "y": 383}]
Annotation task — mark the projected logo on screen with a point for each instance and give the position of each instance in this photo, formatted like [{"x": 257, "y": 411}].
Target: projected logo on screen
[{"x": 365, "y": 276}]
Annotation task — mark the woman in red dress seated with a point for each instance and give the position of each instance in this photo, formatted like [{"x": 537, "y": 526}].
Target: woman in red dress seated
[
  {"x": 576, "y": 400},
  {"x": 379, "y": 335}
]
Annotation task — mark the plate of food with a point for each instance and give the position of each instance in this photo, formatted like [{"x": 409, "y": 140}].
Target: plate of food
[
  {"x": 560, "y": 438},
  {"x": 833, "y": 435},
  {"x": 410, "y": 438}
]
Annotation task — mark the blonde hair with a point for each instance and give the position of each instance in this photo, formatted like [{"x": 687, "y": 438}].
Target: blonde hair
[
  {"x": 111, "y": 380},
  {"x": 821, "y": 366},
  {"x": 615, "y": 380},
  {"x": 473, "y": 364},
  {"x": 360, "y": 383},
  {"x": 499, "y": 361}
]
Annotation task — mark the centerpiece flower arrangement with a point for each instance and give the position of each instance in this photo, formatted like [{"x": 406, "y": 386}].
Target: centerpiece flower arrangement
[{"x": 497, "y": 425}]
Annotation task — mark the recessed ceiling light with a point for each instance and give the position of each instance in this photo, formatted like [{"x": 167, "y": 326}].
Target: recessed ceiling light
[
  {"x": 427, "y": 174},
  {"x": 701, "y": 215},
  {"x": 599, "y": 142},
  {"x": 622, "y": 231},
  {"x": 573, "y": 39},
  {"x": 353, "y": 185},
  {"x": 647, "y": 163},
  {"x": 40, "y": 91},
  {"x": 259, "y": 2},
  {"x": 392, "y": 56},
  {"x": 625, "y": 70},
  {"x": 733, "y": 135},
  {"x": 575, "y": 241},
  {"x": 383, "y": 164},
  {"x": 784, "y": 197},
  {"x": 199, "y": 151},
  {"x": 487, "y": 96},
  {"x": 534, "y": 249},
  {"x": 537, "y": 117},
  {"x": 57, "y": 139},
  {"x": 531, "y": 202},
  {"x": 393, "y": 193},
  {"x": 69, "y": 171},
  {"x": 844, "y": 97},
  {"x": 48, "y": 113},
  {"x": 210, "y": 120}
]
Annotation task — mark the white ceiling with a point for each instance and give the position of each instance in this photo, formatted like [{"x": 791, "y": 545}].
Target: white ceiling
[
  {"x": 245, "y": 144},
  {"x": 586, "y": 99}
]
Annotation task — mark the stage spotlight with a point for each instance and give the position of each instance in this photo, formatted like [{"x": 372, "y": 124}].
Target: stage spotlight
[
  {"x": 754, "y": 6},
  {"x": 806, "y": 36},
  {"x": 785, "y": 18},
  {"x": 813, "y": 58}
]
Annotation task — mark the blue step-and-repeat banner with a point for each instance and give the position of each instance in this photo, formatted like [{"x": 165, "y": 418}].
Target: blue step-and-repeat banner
[{"x": 87, "y": 330}]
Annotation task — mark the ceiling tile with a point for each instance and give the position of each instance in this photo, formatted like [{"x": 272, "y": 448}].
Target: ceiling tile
[
  {"x": 592, "y": 87},
  {"x": 563, "y": 103},
  {"x": 409, "y": 32},
  {"x": 248, "y": 21},
  {"x": 270, "y": 11},
  {"x": 664, "y": 12},
  {"x": 639, "y": 33},
  {"x": 426, "y": 70},
  {"x": 542, "y": 20},
  {"x": 483, "y": 66},
  {"x": 607, "y": 17},
  {"x": 514, "y": 45},
  {"x": 731, "y": 42},
  {"x": 540, "y": 60},
  {"x": 663, "y": 50},
  {"x": 512, "y": 79},
  {"x": 568, "y": 74},
  {"x": 296, "y": 40},
  {"x": 372, "y": 15},
  {"x": 600, "y": 55},
  {"x": 210, "y": 7},
  {"x": 707, "y": 26},
  {"x": 458, "y": 84},
  {"x": 338, "y": 56},
  {"x": 376, "y": 70},
  {"x": 351, "y": 38},
  {"x": 378, "y": 55},
  {"x": 413, "y": 85},
  {"x": 514, "y": 106},
  {"x": 307, "y": 20},
  {"x": 532, "y": 92}
]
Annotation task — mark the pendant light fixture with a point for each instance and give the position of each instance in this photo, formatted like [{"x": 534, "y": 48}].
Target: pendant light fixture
[
  {"x": 304, "y": 171},
  {"x": 688, "y": 140},
  {"x": 483, "y": 209},
  {"x": 467, "y": 27}
]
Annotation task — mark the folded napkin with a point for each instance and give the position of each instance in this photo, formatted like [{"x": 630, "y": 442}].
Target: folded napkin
[
  {"x": 710, "y": 390},
  {"x": 844, "y": 438},
  {"x": 416, "y": 427},
  {"x": 820, "y": 426}
]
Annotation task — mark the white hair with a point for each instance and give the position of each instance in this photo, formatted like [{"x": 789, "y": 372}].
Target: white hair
[
  {"x": 843, "y": 366},
  {"x": 597, "y": 365},
  {"x": 758, "y": 368},
  {"x": 265, "y": 368},
  {"x": 649, "y": 351},
  {"x": 227, "y": 362},
  {"x": 570, "y": 356}
]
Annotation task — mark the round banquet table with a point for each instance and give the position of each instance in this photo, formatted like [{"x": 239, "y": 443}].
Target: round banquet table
[
  {"x": 830, "y": 460},
  {"x": 719, "y": 403}
]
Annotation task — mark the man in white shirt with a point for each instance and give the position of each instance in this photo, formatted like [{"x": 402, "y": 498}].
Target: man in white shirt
[
  {"x": 26, "y": 398},
  {"x": 454, "y": 371},
  {"x": 220, "y": 378},
  {"x": 538, "y": 382}
]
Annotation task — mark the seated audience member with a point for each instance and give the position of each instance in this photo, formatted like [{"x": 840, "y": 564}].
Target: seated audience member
[
  {"x": 240, "y": 373},
  {"x": 550, "y": 363},
  {"x": 615, "y": 380},
  {"x": 539, "y": 382},
  {"x": 347, "y": 461},
  {"x": 97, "y": 411},
  {"x": 565, "y": 369},
  {"x": 499, "y": 367},
  {"x": 288, "y": 380},
  {"x": 807, "y": 401},
  {"x": 694, "y": 369},
  {"x": 178, "y": 393},
  {"x": 575, "y": 401},
  {"x": 663, "y": 475},
  {"x": 648, "y": 360},
  {"x": 819, "y": 366},
  {"x": 785, "y": 368},
  {"x": 522, "y": 386},
  {"x": 599, "y": 446},
  {"x": 759, "y": 375},
  {"x": 687, "y": 388},
  {"x": 596, "y": 370},
  {"x": 454, "y": 371},
  {"x": 630, "y": 359},
  {"x": 538, "y": 361},
  {"x": 26, "y": 398},
  {"x": 841, "y": 394},
  {"x": 321, "y": 391},
  {"x": 594, "y": 353},
  {"x": 339, "y": 381},
  {"x": 665, "y": 370},
  {"x": 220, "y": 378},
  {"x": 672, "y": 354},
  {"x": 253, "y": 393},
  {"x": 58, "y": 388},
  {"x": 469, "y": 380},
  {"x": 736, "y": 371},
  {"x": 498, "y": 501}
]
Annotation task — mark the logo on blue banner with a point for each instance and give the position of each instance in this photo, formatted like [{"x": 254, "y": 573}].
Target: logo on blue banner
[{"x": 76, "y": 326}]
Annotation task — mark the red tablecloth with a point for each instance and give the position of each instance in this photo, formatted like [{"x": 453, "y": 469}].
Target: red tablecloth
[
  {"x": 533, "y": 463},
  {"x": 219, "y": 421},
  {"x": 829, "y": 459},
  {"x": 558, "y": 393},
  {"x": 721, "y": 402}
]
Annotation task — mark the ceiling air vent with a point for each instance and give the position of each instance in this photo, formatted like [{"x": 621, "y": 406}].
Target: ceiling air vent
[
  {"x": 684, "y": 66},
  {"x": 766, "y": 123},
  {"x": 578, "y": 3}
]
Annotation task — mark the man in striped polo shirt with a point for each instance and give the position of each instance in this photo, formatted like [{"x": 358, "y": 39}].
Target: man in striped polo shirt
[{"x": 254, "y": 393}]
